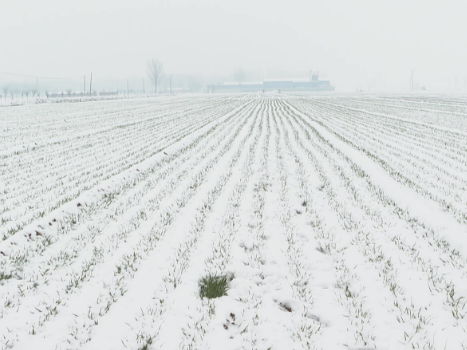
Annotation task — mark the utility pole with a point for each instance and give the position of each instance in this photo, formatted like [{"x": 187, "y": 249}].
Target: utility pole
[
  {"x": 144, "y": 89},
  {"x": 84, "y": 86},
  {"x": 90, "y": 86},
  {"x": 127, "y": 89},
  {"x": 36, "y": 83}
]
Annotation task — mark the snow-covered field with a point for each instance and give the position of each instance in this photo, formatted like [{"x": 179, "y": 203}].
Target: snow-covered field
[{"x": 339, "y": 221}]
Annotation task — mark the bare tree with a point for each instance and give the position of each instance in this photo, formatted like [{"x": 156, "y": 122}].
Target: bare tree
[
  {"x": 239, "y": 75},
  {"x": 155, "y": 70},
  {"x": 5, "y": 91},
  {"x": 26, "y": 92},
  {"x": 69, "y": 91}
]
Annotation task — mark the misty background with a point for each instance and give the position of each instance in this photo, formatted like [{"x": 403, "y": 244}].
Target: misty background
[{"x": 357, "y": 45}]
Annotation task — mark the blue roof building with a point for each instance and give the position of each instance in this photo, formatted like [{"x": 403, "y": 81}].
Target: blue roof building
[{"x": 272, "y": 85}]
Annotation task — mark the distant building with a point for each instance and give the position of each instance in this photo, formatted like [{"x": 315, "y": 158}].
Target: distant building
[
  {"x": 271, "y": 85},
  {"x": 108, "y": 93}
]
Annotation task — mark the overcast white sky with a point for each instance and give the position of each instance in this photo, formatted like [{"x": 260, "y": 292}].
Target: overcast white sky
[{"x": 352, "y": 42}]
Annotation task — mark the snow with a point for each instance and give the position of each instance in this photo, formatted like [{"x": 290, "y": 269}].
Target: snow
[{"x": 340, "y": 222}]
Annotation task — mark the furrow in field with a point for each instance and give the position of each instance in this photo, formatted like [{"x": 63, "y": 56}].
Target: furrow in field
[
  {"x": 319, "y": 320},
  {"x": 436, "y": 118},
  {"x": 338, "y": 222},
  {"x": 329, "y": 212},
  {"x": 100, "y": 168},
  {"x": 50, "y": 219},
  {"x": 447, "y": 197},
  {"x": 217, "y": 323},
  {"x": 390, "y": 261},
  {"x": 116, "y": 278},
  {"x": 187, "y": 323},
  {"x": 170, "y": 269},
  {"x": 106, "y": 222},
  {"x": 256, "y": 259},
  {"x": 66, "y": 117}
]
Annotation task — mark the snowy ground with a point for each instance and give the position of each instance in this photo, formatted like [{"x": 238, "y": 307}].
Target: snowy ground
[{"x": 342, "y": 221}]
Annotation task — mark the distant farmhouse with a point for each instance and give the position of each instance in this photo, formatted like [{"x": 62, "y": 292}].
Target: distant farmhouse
[{"x": 271, "y": 85}]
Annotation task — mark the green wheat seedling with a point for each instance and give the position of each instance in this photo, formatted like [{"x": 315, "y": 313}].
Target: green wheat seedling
[
  {"x": 213, "y": 286},
  {"x": 5, "y": 275}
]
